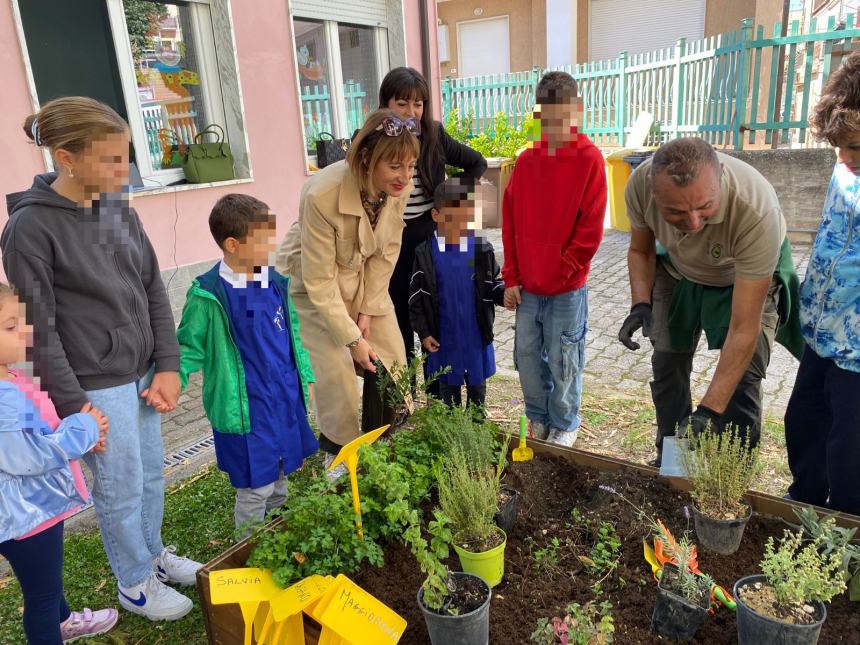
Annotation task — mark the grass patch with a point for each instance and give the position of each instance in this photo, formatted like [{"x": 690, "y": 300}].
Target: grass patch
[{"x": 198, "y": 519}]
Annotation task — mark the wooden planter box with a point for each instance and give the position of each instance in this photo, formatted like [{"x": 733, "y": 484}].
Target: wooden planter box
[{"x": 224, "y": 624}]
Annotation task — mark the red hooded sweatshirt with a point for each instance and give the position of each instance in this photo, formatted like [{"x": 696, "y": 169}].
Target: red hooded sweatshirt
[{"x": 552, "y": 217}]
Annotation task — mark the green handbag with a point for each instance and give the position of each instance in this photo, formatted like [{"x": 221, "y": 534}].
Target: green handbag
[{"x": 208, "y": 162}]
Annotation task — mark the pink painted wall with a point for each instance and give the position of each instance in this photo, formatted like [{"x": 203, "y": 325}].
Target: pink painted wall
[
  {"x": 412, "y": 20},
  {"x": 266, "y": 70}
]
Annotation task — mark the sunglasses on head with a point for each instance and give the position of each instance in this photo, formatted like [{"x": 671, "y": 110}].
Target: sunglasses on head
[{"x": 394, "y": 127}]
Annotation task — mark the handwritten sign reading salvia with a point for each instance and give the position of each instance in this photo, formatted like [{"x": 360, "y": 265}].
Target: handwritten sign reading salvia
[{"x": 241, "y": 585}]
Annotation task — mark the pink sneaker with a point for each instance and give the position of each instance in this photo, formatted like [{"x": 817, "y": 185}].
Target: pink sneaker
[{"x": 86, "y": 623}]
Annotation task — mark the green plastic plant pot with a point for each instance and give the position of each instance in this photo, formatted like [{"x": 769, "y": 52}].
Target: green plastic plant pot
[{"x": 488, "y": 565}]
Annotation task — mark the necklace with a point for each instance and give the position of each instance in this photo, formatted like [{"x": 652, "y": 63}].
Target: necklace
[
  {"x": 373, "y": 206},
  {"x": 373, "y": 203}
]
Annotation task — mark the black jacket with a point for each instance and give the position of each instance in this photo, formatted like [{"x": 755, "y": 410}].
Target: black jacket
[
  {"x": 454, "y": 154},
  {"x": 424, "y": 296},
  {"x": 93, "y": 290}
]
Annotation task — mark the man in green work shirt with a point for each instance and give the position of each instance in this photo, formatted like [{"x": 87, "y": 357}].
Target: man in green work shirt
[{"x": 707, "y": 237}]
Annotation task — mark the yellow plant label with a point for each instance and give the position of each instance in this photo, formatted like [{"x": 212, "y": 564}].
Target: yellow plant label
[
  {"x": 317, "y": 607},
  {"x": 358, "y": 617},
  {"x": 295, "y": 598},
  {"x": 241, "y": 585}
]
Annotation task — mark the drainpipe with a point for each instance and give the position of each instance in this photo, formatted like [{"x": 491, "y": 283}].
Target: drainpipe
[{"x": 425, "y": 46}]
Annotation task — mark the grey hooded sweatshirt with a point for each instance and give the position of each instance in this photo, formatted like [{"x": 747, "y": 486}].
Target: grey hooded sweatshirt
[{"x": 90, "y": 280}]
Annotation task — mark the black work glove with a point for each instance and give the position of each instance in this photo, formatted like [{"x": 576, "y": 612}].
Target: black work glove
[
  {"x": 702, "y": 419},
  {"x": 639, "y": 318}
]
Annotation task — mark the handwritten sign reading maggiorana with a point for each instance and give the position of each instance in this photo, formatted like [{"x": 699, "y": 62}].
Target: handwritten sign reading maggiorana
[{"x": 358, "y": 617}]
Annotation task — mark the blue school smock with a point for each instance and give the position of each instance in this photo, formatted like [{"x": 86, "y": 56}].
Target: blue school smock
[
  {"x": 280, "y": 436},
  {"x": 460, "y": 344}
]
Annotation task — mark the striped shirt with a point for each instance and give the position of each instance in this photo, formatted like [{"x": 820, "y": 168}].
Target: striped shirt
[{"x": 419, "y": 202}]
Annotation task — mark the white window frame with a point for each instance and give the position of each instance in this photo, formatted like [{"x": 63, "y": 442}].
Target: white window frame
[
  {"x": 335, "y": 72},
  {"x": 213, "y": 102},
  {"x": 213, "y": 96}
]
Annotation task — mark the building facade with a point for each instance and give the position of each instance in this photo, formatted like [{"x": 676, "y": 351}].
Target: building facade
[{"x": 271, "y": 75}]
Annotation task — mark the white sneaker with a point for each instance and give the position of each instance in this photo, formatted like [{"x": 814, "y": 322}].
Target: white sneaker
[
  {"x": 174, "y": 568},
  {"x": 537, "y": 430},
  {"x": 338, "y": 471},
  {"x": 154, "y": 600},
  {"x": 563, "y": 437}
]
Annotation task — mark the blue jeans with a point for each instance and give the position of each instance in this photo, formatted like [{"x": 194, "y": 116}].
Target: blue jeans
[
  {"x": 38, "y": 564},
  {"x": 128, "y": 487},
  {"x": 549, "y": 353}
]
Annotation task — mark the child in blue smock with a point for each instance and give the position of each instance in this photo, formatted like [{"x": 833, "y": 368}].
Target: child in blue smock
[
  {"x": 240, "y": 328},
  {"x": 455, "y": 287}
]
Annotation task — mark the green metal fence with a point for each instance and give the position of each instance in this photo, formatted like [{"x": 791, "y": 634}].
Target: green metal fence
[{"x": 725, "y": 88}]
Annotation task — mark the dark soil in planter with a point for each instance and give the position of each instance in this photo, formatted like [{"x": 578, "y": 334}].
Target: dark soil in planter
[
  {"x": 761, "y": 598},
  {"x": 480, "y": 546},
  {"x": 550, "y": 488},
  {"x": 469, "y": 595}
]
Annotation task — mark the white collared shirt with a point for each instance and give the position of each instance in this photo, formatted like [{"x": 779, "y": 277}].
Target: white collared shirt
[
  {"x": 464, "y": 242},
  {"x": 240, "y": 280}
]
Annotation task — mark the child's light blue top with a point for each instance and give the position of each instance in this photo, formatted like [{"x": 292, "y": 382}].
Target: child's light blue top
[{"x": 36, "y": 483}]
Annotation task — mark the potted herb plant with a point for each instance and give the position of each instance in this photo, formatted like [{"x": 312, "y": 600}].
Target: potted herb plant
[
  {"x": 721, "y": 468},
  {"x": 469, "y": 494},
  {"x": 456, "y": 606},
  {"x": 508, "y": 504},
  {"x": 786, "y": 603},
  {"x": 834, "y": 539},
  {"x": 683, "y": 593}
]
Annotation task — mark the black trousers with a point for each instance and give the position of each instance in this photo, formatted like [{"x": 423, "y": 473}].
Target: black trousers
[
  {"x": 672, "y": 367},
  {"x": 670, "y": 391},
  {"x": 452, "y": 395},
  {"x": 822, "y": 435},
  {"x": 37, "y": 562},
  {"x": 375, "y": 412},
  {"x": 417, "y": 230}
]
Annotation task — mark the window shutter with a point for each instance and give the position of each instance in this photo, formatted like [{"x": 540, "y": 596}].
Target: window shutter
[
  {"x": 642, "y": 26},
  {"x": 357, "y": 12}
]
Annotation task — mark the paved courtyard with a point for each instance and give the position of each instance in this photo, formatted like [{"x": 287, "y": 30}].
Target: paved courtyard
[{"x": 608, "y": 362}]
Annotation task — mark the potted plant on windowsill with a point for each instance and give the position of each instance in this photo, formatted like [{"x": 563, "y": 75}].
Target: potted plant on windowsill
[
  {"x": 683, "y": 593},
  {"x": 469, "y": 495},
  {"x": 455, "y": 605},
  {"x": 721, "y": 468},
  {"x": 786, "y": 603}
]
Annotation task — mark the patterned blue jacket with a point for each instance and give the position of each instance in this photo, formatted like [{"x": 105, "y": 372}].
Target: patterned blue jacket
[{"x": 830, "y": 294}]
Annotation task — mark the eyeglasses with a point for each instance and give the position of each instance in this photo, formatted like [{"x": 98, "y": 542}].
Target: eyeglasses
[{"x": 393, "y": 127}]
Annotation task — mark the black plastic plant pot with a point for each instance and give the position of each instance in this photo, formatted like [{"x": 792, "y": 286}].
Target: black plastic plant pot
[
  {"x": 507, "y": 514},
  {"x": 472, "y": 628},
  {"x": 755, "y": 629},
  {"x": 720, "y": 536},
  {"x": 674, "y": 616}
]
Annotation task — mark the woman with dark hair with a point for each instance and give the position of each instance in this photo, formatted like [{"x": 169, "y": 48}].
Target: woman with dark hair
[{"x": 405, "y": 92}]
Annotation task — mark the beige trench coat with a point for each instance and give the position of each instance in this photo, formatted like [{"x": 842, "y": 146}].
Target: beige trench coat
[{"x": 340, "y": 268}]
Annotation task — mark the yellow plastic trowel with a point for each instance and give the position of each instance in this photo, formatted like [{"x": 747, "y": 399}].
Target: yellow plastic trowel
[{"x": 522, "y": 452}]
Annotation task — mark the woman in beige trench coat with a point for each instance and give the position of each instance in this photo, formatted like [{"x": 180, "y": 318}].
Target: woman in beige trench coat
[{"x": 341, "y": 254}]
